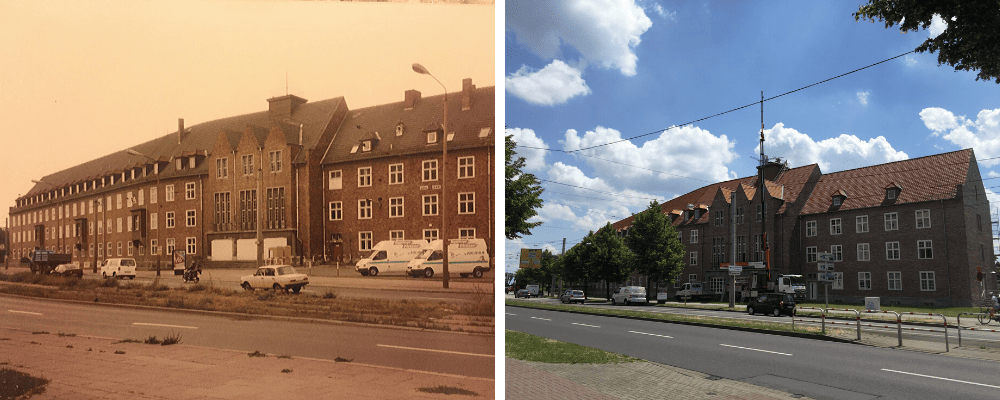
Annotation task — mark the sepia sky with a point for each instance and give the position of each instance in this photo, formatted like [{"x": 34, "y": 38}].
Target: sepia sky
[{"x": 80, "y": 80}]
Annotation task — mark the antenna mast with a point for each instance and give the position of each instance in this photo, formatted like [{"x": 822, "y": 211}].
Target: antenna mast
[{"x": 763, "y": 195}]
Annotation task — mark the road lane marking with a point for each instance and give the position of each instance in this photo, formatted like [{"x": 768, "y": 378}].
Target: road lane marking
[
  {"x": 938, "y": 377},
  {"x": 592, "y": 326},
  {"x": 24, "y": 312},
  {"x": 652, "y": 334},
  {"x": 510, "y": 314},
  {"x": 165, "y": 326},
  {"x": 747, "y": 348},
  {"x": 436, "y": 351},
  {"x": 543, "y": 319}
]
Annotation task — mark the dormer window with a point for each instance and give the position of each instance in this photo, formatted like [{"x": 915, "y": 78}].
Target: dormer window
[
  {"x": 838, "y": 198},
  {"x": 836, "y": 201},
  {"x": 399, "y": 129},
  {"x": 191, "y": 162},
  {"x": 892, "y": 191},
  {"x": 432, "y": 137},
  {"x": 179, "y": 164},
  {"x": 366, "y": 145},
  {"x": 890, "y": 194}
]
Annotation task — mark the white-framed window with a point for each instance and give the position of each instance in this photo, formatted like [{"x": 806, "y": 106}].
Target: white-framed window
[
  {"x": 100, "y": 249},
  {"x": 395, "y": 174},
  {"x": 119, "y": 225},
  {"x": 693, "y": 258},
  {"x": 189, "y": 192},
  {"x": 192, "y": 245},
  {"x": 467, "y": 203},
  {"x": 154, "y": 248},
  {"x": 861, "y": 224},
  {"x": 811, "y": 254},
  {"x": 895, "y": 280},
  {"x": 838, "y": 280},
  {"x": 222, "y": 168},
  {"x": 466, "y": 167},
  {"x": 835, "y": 226},
  {"x": 923, "y": 218},
  {"x": 170, "y": 219},
  {"x": 364, "y": 209},
  {"x": 692, "y": 278},
  {"x": 430, "y": 204},
  {"x": 364, "y": 176},
  {"x": 170, "y": 246},
  {"x": 891, "y": 221},
  {"x": 336, "y": 210},
  {"x": 810, "y": 228},
  {"x": 927, "y": 281},
  {"x": 248, "y": 165},
  {"x": 152, "y": 197},
  {"x": 431, "y": 234},
  {"x": 365, "y": 241},
  {"x": 739, "y": 215},
  {"x": 432, "y": 137},
  {"x": 119, "y": 249},
  {"x": 336, "y": 180},
  {"x": 836, "y": 201},
  {"x": 141, "y": 199},
  {"x": 467, "y": 233},
  {"x": 100, "y": 227},
  {"x": 128, "y": 224},
  {"x": 168, "y": 193},
  {"x": 891, "y": 250},
  {"x": 130, "y": 250},
  {"x": 91, "y": 250},
  {"x": 925, "y": 250},
  {"x": 119, "y": 202},
  {"x": 152, "y": 221},
  {"x": 190, "y": 218},
  {"x": 396, "y": 235},
  {"x": 864, "y": 252},
  {"x": 275, "y": 161},
  {"x": 864, "y": 281},
  {"x": 396, "y": 207},
  {"x": 837, "y": 251},
  {"x": 430, "y": 170},
  {"x": 694, "y": 236}
]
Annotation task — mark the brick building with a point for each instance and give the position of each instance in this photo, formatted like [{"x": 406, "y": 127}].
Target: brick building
[
  {"x": 205, "y": 188},
  {"x": 911, "y": 232}
]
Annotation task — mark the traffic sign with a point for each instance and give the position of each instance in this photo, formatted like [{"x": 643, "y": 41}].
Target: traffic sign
[
  {"x": 825, "y": 266},
  {"x": 735, "y": 269},
  {"x": 825, "y": 257},
  {"x": 828, "y": 277},
  {"x": 755, "y": 264}
]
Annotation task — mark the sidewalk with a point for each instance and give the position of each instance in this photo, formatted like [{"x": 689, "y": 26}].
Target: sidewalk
[{"x": 98, "y": 368}]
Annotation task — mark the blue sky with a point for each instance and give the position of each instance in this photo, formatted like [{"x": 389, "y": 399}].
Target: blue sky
[{"x": 581, "y": 73}]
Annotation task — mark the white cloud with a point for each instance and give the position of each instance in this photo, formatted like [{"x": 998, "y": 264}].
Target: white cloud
[
  {"x": 981, "y": 134},
  {"x": 993, "y": 174},
  {"x": 534, "y": 159},
  {"x": 938, "y": 25},
  {"x": 659, "y": 10},
  {"x": 605, "y": 32},
  {"x": 910, "y": 61},
  {"x": 596, "y": 208},
  {"x": 863, "y": 97},
  {"x": 554, "y": 84},
  {"x": 833, "y": 154},
  {"x": 677, "y": 153}
]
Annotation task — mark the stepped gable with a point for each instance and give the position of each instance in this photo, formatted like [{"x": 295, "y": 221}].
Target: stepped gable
[{"x": 927, "y": 178}]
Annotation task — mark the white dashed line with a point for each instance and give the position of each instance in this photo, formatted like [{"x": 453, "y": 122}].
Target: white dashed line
[
  {"x": 652, "y": 334},
  {"x": 543, "y": 319},
  {"x": 592, "y": 326},
  {"x": 24, "y": 312},
  {"x": 943, "y": 379},
  {"x": 436, "y": 351},
  {"x": 165, "y": 326},
  {"x": 763, "y": 351},
  {"x": 510, "y": 314}
]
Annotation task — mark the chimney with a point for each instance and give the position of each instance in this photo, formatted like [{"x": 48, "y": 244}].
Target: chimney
[
  {"x": 411, "y": 99},
  {"x": 180, "y": 130},
  {"x": 281, "y": 108},
  {"x": 467, "y": 89},
  {"x": 772, "y": 169}
]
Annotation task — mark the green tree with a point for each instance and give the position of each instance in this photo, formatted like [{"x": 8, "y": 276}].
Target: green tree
[
  {"x": 571, "y": 266},
  {"x": 968, "y": 44},
  {"x": 657, "y": 251},
  {"x": 522, "y": 195},
  {"x": 608, "y": 256},
  {"x": 541, "y": 276}
]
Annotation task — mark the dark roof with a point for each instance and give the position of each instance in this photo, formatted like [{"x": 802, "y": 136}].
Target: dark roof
[
  {"x": 921, "y": 179},
  {"x": 363, "y": 123}
]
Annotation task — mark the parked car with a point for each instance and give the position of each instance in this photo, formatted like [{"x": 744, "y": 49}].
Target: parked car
[
  {"x": 573, "y": 296},
  {"x": 70, "y": 269},
  {"x": 118, "y": 268},
  {"x": 277, "y": 277},
  {"x": 522, "y": 293},
  {"x": 775, "y": 304},
  {"x": 628, "y": 295}
]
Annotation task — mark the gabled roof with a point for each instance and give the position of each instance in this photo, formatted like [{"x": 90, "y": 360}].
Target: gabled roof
[{"x": 926, "y": 178}]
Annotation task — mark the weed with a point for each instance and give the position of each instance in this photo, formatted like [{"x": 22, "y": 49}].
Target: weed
[
  {"x": 33, "y": 342},
  {"x": 286, "y": 370},
  {"x": 197, "y": 288},
  {"x": 69, "y": 346},
  {"x": 287, "y": 357},
  {"x": 119, "y": 352},
  {"x": 330, "y": 295},
  {"x": 19, "y": 385},
  {"x": 152, "y": 340},
  {"x": 129, "y": 341},
  {"x": 339, "y": 359},
  {"x": 40, "y": 333},
  {"x": 174, "y": 338},
  {"x": 441, "y": 389},
  {"x": 257, "y": 353},
  {"x": 66, "y": 334},
  {"x": 110, "y": 283},
  {"x": 90, "y": 349}
]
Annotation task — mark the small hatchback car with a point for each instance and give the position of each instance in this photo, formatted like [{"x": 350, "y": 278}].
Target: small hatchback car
[
  {"x": 573, "y": 296},
  {"x": 775, "y": 304}
]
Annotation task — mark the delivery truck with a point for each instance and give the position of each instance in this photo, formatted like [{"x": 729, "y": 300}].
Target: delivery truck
[
  {"x": 465, "y": 257},
  {"x": 390, "y": 256}
]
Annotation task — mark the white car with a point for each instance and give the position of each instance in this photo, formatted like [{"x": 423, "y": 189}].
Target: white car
[
  {"x": 629, "y": 295},
  {"x": 118, "y": 268},
  {"x": 277, "y": 277}
]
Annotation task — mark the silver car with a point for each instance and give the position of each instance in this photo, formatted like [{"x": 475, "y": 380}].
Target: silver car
[{"x": 573, "y": 296}]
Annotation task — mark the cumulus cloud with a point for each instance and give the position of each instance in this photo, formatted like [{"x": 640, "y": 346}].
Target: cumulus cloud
[
  {"x": 993, "y": 174},
  {"x": 981, "y": 134},
  {"x": 598, "y": 202},
  {"x": 863, "y": 97},
  {"x": 604, "y": 32},
  {"x": 554, "y": 84},
  {"x": 534, "y": 158},
  {"x": 667, "y": 161},
  {"x": 938, "y": 25},
  {"x": 833, "y": 154}
]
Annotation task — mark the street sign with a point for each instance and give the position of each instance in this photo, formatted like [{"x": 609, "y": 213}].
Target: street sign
[
  {"x": 825, "y": 257},
  {"x": 756, "y": 264},
  {"x": 735, "y": 269},
  {"x": 825, "y": 266},
  {"x": 827, "y": 277}
]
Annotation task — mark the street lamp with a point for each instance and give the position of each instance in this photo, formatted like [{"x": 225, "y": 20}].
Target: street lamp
[
  {"x": 444, "y": 168},
  {"x": 159, "y": 206}
]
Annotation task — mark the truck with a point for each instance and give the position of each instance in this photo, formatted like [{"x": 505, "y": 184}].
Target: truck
[
  {"x": 532, "y": 290},
  {"x": 788, "y": 284},
  {"x": 45, "y": 261},
  {"x": 465, "y": 257},
  {"x": 694, "y": 291},
  {"x": 390, "y": 256}
]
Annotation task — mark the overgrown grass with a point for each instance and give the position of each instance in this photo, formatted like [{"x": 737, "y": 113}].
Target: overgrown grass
[
  {"x": 19, "y": 385},
  {"x": 522, "y": 346}
]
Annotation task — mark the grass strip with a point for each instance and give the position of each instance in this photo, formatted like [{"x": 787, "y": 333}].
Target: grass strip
[{"x": 526, "y": 347}]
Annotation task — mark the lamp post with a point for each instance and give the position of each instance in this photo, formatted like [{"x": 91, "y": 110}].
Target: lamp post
[
  {"x": 159, "y": 205},
  {"x": 444, "y": 174}
]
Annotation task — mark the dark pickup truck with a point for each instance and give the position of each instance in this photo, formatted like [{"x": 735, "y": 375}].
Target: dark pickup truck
[{"x": 45, "y": 261}]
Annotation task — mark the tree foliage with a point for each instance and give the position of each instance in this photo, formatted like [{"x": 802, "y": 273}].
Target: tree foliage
[
  {"x": 522, "y": 195},
  {"x": 656, "y": 250},
  {"x": 970, "y": 43},
  {"x": 611, "y": 260},
  {"x": 541, "y": 276}
]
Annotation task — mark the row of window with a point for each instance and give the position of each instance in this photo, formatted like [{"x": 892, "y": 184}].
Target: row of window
[
  {"x": 894, "y": 281},
  {"x": 222, "y": 164},
  {"x": 925, "y": 251},
  {"x": 130, "y": 250},
  {"x": 128, "y": 224},
  {"x": 891, "y": 223},
  {"x": 429, "y": 173},
  {"x": 739, "y": 216},
  {"x": 429, "y": 206},
  {"x": 75, "y": 209},
  {"x": 365, "y": 237}
]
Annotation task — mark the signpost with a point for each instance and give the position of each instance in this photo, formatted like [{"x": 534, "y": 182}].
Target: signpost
[
  {"x": 826, "y": 275},
  {"x": 531, "y": 258},
  {"x": 825, "y": 267}
]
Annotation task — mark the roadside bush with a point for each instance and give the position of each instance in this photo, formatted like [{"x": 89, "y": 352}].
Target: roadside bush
[{"x": 482, "y": 303}]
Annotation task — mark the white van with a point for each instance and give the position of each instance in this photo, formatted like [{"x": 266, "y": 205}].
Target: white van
[
  {"x": 465, "y": 257},
  {"x": 629, "y": 295},
  {"x": 118, "y": 268},
  {"x": 390, "y": 256}
]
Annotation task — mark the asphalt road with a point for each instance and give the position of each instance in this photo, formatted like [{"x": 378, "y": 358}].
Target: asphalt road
[
  {"x": 435, "y": 351},
  {"x": 817, "y": 369}
]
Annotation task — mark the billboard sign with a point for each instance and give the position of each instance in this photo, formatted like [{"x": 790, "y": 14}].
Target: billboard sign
[{"x": 531, "y": 258}]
